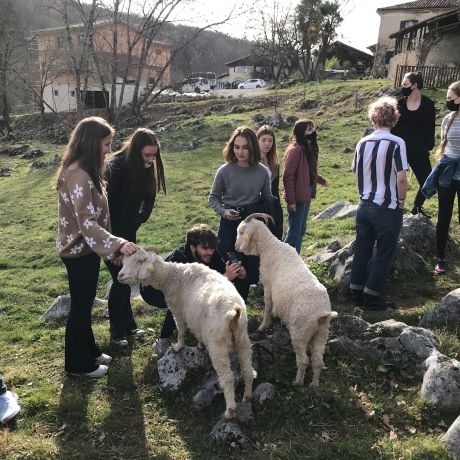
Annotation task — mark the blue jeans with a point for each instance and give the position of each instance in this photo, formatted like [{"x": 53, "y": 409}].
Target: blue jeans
[
  {"x": 297, "y": 225},
  {"x": 374, "y": 224}
]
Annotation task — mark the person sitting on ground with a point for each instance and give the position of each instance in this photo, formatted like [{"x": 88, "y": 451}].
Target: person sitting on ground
[
  {"x": 9, "y": 407},
  {"x": 200, "y": 246},
  {"x": 380, "y": 166}
]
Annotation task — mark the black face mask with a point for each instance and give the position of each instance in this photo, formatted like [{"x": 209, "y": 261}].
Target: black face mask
[
  {"x": 312, "y": 136},
  {"x": 406, "y": 91},
  {"x": 451, "y": 105}
]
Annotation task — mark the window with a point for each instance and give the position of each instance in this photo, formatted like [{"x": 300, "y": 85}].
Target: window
[
  {"x": 56, "y": 92},
  {"x": 158, "y": 51},
  {"x": 409, "y": 39},
  {"x": 81, "y": 39},
  {"x": 72, "y": 93},
  {"x": 60, "y": 42}
]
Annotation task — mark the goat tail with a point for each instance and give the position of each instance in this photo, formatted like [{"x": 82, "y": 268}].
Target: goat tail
[
  {"x": 234, "y": 316},
  {"x": 324, "y": 318}
]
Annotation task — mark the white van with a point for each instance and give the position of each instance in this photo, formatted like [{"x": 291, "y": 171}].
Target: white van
[{"x": 196, "y": 85}]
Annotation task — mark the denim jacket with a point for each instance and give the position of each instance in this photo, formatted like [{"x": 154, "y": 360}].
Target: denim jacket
[{"x": 442, "y": 175}]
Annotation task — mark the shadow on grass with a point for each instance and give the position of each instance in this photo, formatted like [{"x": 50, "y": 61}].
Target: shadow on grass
[{"x": 117, "y": 416}]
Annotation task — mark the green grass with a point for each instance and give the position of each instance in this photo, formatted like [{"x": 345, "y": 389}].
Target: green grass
[{"x": 126, "y": 415}]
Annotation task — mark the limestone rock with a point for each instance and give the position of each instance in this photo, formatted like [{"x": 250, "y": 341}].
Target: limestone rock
[
  {"x": 276, "y": 120},
  {"x": 207, "y": 392},
  {"x": 173, "y": 368},
  {"x": 451, "y": 439},
  {"x": 228, "y": 432},
  {"x": 446, "y": 313},
  {"x": 338, "y": 210},
  {"x": 263, "y": 392},
  {"x": 441, "y": 382},
  {"x": 61, "y": 307},
  {"x": 392, "y": 341},
  {"x": 349, "y": 326}
]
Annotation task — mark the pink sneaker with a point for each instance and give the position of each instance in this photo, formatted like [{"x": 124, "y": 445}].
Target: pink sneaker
[{"x": 9, "y": 407}]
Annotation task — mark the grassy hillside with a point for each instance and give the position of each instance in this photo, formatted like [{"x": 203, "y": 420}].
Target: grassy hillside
[{"x": 126, "y": 415}]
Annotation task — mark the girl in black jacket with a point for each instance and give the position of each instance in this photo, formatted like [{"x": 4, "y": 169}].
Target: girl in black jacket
[
  {"x": 134, "y": 176},
  {"x": 416, "y": 126}
]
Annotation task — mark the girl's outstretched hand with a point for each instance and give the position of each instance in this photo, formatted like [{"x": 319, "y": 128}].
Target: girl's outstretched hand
[{"x": 129, "y": 248}]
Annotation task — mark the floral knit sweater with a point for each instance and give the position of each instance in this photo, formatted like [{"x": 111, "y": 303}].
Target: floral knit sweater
[{"x": 84, "y": 220}]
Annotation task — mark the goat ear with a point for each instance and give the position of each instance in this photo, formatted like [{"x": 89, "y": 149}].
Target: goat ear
[{"x": 146, "y": 269}]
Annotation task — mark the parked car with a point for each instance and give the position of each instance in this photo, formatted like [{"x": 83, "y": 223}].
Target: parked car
[
  {"x": 195, "y": 85},
  {"x": 252, "y": 83}
]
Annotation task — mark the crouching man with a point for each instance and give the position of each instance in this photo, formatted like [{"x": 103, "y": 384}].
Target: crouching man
[{"x": 200, "y": 246}]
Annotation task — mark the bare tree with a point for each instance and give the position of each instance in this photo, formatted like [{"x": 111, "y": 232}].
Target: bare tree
[{"x": 9, "y": 40}]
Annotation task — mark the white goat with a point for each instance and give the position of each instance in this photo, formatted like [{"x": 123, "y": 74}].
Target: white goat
[
  {"x": 208, "y": 304},
  {"x": 291, "y": 292}
]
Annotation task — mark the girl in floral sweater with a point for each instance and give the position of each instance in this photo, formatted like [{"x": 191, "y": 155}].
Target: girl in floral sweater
[{"x": 84, "y": 237}]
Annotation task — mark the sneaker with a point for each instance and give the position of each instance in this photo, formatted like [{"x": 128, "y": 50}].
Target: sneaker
[
  {"x": 441, "y": 267},
  {"x": 357, "y": 296},
  {"x": 419, "y": 210},
  {"x": 9, "y": 407},
  {"x": 100, "y": 371},
  {"x": 136, "y": 333},
  {"x": 103, "y": 359},
  {"x": 120, "y": 342},
  {"x": 374, "y": 303},
  {"x": 161, "y": 345}
]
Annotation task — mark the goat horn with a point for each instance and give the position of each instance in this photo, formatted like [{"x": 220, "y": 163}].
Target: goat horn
[{"x": 260, "y": 215}]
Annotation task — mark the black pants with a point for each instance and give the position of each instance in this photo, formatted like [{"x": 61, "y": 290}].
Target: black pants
[
  {"x": 421, "y": 166},
  {"x": 446, "y": 198},
  {"x": 2, "y": 386},
  {"x": 80, "y": 347},
  {"x": 120, "y": 312}
]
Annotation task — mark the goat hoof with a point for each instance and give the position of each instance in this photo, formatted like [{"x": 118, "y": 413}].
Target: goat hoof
[
  {"x": 176, "y": 348},
  {"x": 297, "y": 383},
  {"x": 229, "y": 414},
  {"x": 247, "y": 398},
  {"x": 200, "y": 346}
]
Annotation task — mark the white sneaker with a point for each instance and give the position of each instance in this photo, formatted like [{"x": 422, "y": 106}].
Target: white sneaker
[
  {"x": 161, "y": 345},
  {"x": 9, "y": 407},
  {"x": 120, "y": 342},
  {"x": 103, "y": 359},
  {"x": 100, "y": 371},
  {"x": 136, "y": 333}
]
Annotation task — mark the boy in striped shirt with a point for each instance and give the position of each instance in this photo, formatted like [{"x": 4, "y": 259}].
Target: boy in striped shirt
[{"x": 380, "y": 165}]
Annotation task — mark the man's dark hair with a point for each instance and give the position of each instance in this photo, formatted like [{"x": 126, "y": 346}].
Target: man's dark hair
[{"x": 202, "y": 234}]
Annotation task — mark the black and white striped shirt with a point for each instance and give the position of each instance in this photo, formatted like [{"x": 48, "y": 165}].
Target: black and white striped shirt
[{"x": 378, "y": 158}]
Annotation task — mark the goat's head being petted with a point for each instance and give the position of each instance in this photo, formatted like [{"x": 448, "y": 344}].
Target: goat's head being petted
[
  {"x": 247, "y": 233},
  {"x": 136, "y": 267}
]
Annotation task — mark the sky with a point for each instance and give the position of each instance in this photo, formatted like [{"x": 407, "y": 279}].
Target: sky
[{"x": 359, "y": 28}]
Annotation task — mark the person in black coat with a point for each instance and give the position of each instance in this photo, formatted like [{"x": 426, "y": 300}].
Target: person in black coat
[
  {"x": 134, "y": 175},
  {"x": 200, "y": 246},
  {"x": 416, "y": 126}
]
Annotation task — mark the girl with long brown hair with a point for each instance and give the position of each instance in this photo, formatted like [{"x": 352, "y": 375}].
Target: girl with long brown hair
[
  {"x": 134, "y": 176},
  {"x": 238, "y": 188},
  {"x": 84, "y": 237},
  {"x": 300, "y": 178}
]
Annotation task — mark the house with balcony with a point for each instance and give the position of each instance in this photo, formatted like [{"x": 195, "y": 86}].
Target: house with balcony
[
  {"x": 396, "y": 18},
  {"x": 52, "y": 65}
]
